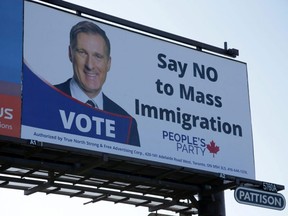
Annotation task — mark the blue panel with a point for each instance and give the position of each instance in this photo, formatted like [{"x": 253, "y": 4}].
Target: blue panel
[
  {"x": 11, "y": 25},
  {"x": 46, "y": 107}
]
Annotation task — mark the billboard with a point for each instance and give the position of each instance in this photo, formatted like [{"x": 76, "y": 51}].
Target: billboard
[
  {"x": 152, "y": 99},
  {"x": 11, "y": 67}
]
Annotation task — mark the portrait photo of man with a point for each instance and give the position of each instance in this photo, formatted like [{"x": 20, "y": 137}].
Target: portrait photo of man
[{"x": 89, "y": 53}]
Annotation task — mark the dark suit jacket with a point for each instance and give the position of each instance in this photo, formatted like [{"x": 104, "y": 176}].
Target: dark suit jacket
[{"x": 109, "y": 106}]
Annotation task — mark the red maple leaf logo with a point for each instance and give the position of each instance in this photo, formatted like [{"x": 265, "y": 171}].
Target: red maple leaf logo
[{"x": 213, "y": 148}]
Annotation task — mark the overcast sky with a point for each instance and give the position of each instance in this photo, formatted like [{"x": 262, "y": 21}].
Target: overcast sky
[{"x": 259, "y": 29}]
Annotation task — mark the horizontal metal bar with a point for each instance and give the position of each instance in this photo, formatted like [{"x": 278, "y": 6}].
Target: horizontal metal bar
[
  {"x": 37, "y": 188},
  {"x": 163, "y": 205},
  {"x": 199, "y": 45}
]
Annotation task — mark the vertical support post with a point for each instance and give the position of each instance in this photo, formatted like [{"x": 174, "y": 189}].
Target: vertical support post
[{"x": 212, "y": 205}]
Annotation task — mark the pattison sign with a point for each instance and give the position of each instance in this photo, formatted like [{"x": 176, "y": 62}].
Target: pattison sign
[{"x": 260, "y": 198}]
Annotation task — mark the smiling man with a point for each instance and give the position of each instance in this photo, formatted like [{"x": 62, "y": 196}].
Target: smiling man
[{"x": 89, "y": 53}]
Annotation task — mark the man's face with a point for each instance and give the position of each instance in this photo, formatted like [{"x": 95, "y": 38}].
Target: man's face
[{"x": 90, "y": 62}]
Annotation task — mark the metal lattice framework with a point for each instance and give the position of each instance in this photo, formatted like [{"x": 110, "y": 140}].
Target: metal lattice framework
[{"x": 46, "y": 168}]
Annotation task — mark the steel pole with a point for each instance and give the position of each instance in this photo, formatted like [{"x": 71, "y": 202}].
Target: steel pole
[{"x": 212, "y": 205}]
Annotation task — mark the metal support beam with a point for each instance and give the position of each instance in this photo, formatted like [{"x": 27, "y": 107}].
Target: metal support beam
[
  {"x": 181, "y": 214},
  {"x": 79, "y": 10},
  {"x": 143, "y": 203},
  {"x": 212, "y": 205},
  {"x": 156, "y": 214},
  {"x": 77, "y": 194},
  {"x": 163, "y": 206},
  {"x": 37, "y": 188},
  {"x": 97, "y": 199},
  {"x": 122, "y": 200}
]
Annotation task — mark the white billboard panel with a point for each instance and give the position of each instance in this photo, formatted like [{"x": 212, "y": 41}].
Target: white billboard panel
[{"x": 159, "y": 102}]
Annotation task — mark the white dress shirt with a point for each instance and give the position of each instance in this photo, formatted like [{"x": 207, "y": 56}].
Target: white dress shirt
[{"x": 77, "y": 92}]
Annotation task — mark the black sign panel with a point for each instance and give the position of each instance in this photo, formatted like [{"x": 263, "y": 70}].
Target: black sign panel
[{"x": 260, "y": 198}]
